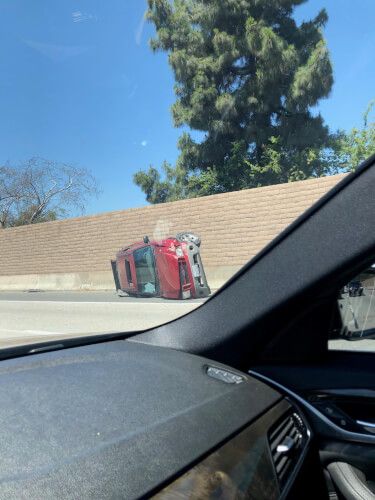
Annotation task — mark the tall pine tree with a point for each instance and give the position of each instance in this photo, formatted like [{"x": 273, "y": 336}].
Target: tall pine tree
[{"x": 247, "y": 76}]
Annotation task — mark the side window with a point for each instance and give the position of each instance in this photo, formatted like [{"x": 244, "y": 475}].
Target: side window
[
  {"x": 145, "y": 270},
  {"x": 128, "y": 272},
  {"x": 354, "y": 328}
]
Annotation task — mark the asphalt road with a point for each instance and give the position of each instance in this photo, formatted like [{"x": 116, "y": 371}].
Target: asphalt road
[
  {"x": 28, "y": 317},
  {"x": 365, "y": 345},
  {"x": 102, "y": 296}
]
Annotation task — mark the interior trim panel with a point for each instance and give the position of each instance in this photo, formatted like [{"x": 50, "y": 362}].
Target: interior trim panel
[{"x": 319, "y": 420}]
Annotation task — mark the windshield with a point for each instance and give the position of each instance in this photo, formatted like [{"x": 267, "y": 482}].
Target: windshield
[
  {"x": 145, "y": 270},
  {"x": 149, "y": 149}
]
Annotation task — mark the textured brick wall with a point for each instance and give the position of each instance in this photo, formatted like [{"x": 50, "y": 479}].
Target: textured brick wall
[{"x": 234, "y": 227}]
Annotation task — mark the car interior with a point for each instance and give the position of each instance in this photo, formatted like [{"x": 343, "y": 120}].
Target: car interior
[{"x": 241, "y": 398}]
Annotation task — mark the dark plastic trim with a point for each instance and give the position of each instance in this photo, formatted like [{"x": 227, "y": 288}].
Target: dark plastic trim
[
  {"x": 325, "y": 425},
  {"x": 310, "y": 259}
]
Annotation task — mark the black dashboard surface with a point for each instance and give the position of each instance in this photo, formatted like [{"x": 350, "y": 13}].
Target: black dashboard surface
[{"x": 113, "y": 420}]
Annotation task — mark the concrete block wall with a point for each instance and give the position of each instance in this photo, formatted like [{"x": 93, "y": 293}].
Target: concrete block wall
[{"x": 74, "y": 254}]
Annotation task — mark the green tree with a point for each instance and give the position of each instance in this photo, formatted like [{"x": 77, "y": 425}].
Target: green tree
[
  {"x": 247, "y": 76},
  {"x": 354, "y": 147}
]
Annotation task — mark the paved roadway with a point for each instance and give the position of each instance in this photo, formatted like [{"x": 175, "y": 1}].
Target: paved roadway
[
  {"x": 102, "y": 296},
  {"x": 27, "y": 317}
]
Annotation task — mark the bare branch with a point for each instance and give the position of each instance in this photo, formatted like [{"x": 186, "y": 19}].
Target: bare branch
[{"x": 43, "y": 190}]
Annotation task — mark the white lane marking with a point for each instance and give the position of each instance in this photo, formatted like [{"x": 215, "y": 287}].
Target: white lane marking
[
  {"x": 172, "y": 303},
  {"x": 28, "y": 332}
]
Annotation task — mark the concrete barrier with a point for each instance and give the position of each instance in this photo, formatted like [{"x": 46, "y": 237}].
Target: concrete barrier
[
  {"x": 74, "y": 254},
  {"x": 95, "y": 280}
]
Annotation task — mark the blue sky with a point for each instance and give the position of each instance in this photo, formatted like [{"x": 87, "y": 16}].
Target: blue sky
[{"x": 80, "y": 85}]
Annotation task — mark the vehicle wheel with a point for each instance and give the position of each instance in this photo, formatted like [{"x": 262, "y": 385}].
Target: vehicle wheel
[
  {"x": 353, "y": 337},
  {"x": 189, "y": 238},
  {"x": 344, "y": 333}
]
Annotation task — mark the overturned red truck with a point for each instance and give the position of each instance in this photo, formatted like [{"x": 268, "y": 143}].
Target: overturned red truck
[{"x": 171, "y": 268}]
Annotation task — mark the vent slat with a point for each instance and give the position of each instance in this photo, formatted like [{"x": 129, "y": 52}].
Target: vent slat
[
  {"x": 283, "y": 473},
  {"x": 291, "y": 426},
  {"x": 281, "y": 435},
  {"x": 283, "y": 462},
  {"x": 279, "y": 428}
]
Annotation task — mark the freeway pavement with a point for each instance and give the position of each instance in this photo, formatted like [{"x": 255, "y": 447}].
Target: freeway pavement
[
  {"x": 83, "y": 296},
  {"x": 37, "y": 316},
  {"x": 27, "y": 317},
  {"x": 355, "y": 345}
]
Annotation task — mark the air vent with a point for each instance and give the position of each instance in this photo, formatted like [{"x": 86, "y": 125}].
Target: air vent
[{"x": 287, "y": 440}]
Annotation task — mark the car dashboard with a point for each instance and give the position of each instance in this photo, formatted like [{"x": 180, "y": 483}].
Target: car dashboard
[
  {"x": 259, "y": 462},
  {"x": 123, "y": 419}
]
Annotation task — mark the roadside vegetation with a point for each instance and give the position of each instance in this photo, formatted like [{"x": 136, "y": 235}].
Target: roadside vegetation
[
  {"x": 248, "y": 80},
  {"x": 42, "y": 190}
]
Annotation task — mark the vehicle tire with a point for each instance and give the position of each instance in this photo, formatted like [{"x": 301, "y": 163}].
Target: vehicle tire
[
  {"x": 348, "y": 334},
  {"x": 189, "y": 238},
  {"x": 353, "y": 338}
]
